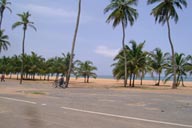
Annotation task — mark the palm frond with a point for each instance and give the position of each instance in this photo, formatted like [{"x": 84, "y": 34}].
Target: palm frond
[{"x": 16, "y": 24}]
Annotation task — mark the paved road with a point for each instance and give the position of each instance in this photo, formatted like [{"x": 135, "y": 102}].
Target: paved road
[{"x": 96, "y": 108}]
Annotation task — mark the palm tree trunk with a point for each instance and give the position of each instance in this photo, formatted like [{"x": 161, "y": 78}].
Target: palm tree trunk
[
  {"x": 133, "y": 84},
  {"x": 124, "y": 52},
  {"x": 23, "y": 52},
  {"x": 10, "y": 75},
  {"x": 159, "y": 77},
  {"x": 87, "y": 79},
  {"x": 141, "y": 82},
  {"x": 1, "y": 18},
  {"x": 84, "y": 79},
  {"x": 73, "y": 44},
  {"x": 178, "y": 81},
  {"x": 130, "y": 79},
  {"x": 48, "y": 77},
  {"x": 182, "y": 82},
  {"x": 174, "y": 85}
]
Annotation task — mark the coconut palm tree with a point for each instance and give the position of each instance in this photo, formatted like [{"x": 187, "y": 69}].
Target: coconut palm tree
[
  {"x": 49, "y": 67},
  {"x": 3, "y": 6},
  {"x": 15, "y": 64},
  {"x": 73, "y": 44},
  {"x": 86, "y": 69},
  {"x": 136, "y": 59},
  {"x": 122, "y": 13},
  {"x": 34, "y": 62},
  {"x": 4, "y": 61},
  {"x": 66, "y": 61},
  {"x": 158, "y": 62},
  {"x": 189, "y": 64},
  {"x": 136, "y": 62},
  {"x": 25, "y": 23},
  {"x": 181, "y": 72},
  {"x": 4, "y": 43},
  {"x": 163, "y": 12},
  {"x": 119, "y": 66}
]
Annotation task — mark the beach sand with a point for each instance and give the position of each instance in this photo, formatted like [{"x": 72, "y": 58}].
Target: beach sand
[{"x": 13, "y": 86}]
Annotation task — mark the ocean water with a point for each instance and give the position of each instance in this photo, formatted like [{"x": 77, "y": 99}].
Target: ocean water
[{"x": 146, "y": 77}]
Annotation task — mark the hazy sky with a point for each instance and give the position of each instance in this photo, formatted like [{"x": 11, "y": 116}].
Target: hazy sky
[{"x": 96, "y": 41}]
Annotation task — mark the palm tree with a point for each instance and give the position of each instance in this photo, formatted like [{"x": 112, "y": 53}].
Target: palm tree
[
  {"x": 73, "y": 44},
  {"x": 86, "y": 69},
  {"x": 136, "y": 60},
  {"x": 158, "y": 62},
  {"x": 25, "y": 23},
  {"x": 3, "y": 6},
  {"x": 122, "y": 13},
  {"x": 189, "y": 64},
  {"x": 4, "y": 43},
  {"x": 163, "y": 12},
  {"x": 4, "y": 61},
  {"x": 118, "y": 70},
  {"x": 34, "y": 64},
  {"x": 49, "y": 67},
  {"x": 181, "y": 72},
  {"x": 15, "y": 65},
  {"x": 66, "y": 61}
]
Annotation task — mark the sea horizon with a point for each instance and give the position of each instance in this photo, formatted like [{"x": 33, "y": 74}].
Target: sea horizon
[{"x": 145, "y": 78}]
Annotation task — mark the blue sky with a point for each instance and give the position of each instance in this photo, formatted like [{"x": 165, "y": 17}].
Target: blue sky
[{"x": 96, "y": 41}]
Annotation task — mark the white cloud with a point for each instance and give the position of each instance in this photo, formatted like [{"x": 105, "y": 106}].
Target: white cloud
[
  {"x": 107, "y": 52},
  {"x": 51, "y": 12}
]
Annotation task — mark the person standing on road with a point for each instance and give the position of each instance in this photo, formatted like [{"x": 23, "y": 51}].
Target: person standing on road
[
  {"x": 2, "y": 78},
  {"x": 61, "y": 81}
]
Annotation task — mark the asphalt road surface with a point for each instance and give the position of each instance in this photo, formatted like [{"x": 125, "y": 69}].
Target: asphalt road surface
[{"x": 95, "y": 108}]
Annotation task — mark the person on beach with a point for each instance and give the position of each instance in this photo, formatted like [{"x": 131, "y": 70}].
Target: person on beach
[
  {"x": 61, "y": 82},
  {"x": 2, "y": 78}
]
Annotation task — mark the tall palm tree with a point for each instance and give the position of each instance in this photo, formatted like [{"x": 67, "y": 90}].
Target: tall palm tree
[
  {"x": 73, "y": 44},
  {"x": 158, "y": 62},
  {"x": 122, "y": 13},
  {"x": 4, "y": 43},
  {"x": 3, "y": 6},
  {"x": 25, "y": 23},
  {"x": 163, "y": 12}
]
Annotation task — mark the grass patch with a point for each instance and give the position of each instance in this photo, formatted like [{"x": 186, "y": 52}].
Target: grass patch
[{"x": 38, "y": 93}]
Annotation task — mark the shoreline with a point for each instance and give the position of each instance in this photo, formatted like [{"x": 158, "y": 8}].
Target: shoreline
[
  {"x": 108, "y": 80},
  {"x": 13, "y": 86},
  {"x": 145, "y": 78}
]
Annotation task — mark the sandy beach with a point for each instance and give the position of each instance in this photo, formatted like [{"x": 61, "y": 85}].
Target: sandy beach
[{"x": 12, "y": 86}]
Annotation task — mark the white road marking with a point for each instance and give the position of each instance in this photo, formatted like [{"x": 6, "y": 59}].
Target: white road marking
[
  {"x": 127, "y": 117},
  {"x": 43, "y": 104},
  {"x": 18, "y": 100}
]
